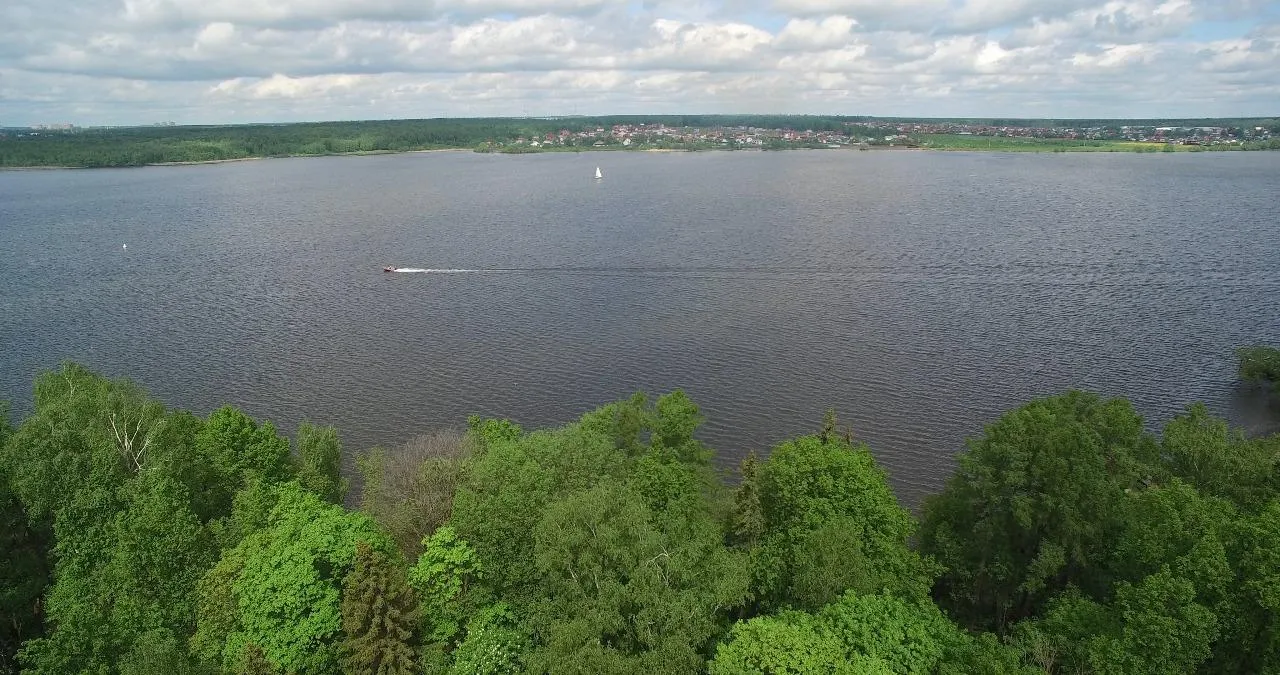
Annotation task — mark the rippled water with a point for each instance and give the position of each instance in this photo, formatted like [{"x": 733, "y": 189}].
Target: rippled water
[{"x": 919, "y": 294}]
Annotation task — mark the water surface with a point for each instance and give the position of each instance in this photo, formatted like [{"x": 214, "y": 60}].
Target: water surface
[{"x": 918, "y": 294}]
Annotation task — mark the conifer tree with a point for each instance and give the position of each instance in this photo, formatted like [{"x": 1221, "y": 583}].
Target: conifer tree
[
  {"x": 379, "y": 612},
  {"x": 748, "y": 516}
]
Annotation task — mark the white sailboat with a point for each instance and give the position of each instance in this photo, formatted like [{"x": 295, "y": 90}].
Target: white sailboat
[{"x": 598, "y": 174}]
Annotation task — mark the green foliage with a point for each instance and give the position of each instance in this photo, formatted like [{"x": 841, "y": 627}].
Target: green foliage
[
  {"x": 832, "y": 524},
  {"x": 254, "y": 662},
  {"x": 121, "y": 580},
  {"x": 241, "y": 450},
  {"x": 610, "y": 545},
  {"x": 748, "y": 525},
  {"x": 496, "y": 643},
  {"x": 908, "y": 636},
  {"x": 509, "y": 484},
  {"x": 618, "y": 593},
  {"x": 319, "y": 462},
  {"x": 986, "y": 654},
  {"x": 23, "y": 569},
  {"x": 855, "y": 634},
  {"x": 1153, "y": 627},
  {"x": 1035, "y": 506},
  {"x": 1253, "y": 643},
  {"x": 158, "y": 651},
  {"x": 604, "y": 536},
  {"x": 1201, "y": 450},
  {"x": 1174, "y": 527},
  {"x": 627, "y": 422},
  {"x": 379, "y": 614},
  {"x": 1260, "y": 363},
  {"x": 106, "y": 466},
  {"x": 75, "y": 440},
  {"x": 782, "y": 644},
  {"x": 443, "y": 575},
  {"x": 279, "y": 588},
  {"x": 675, "y": 420}
]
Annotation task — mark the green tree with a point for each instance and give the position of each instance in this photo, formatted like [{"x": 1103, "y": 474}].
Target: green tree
[
  {"x": 1035, "y": 506},
  {"x": 23, "y": 569},
  {"x": 319, "y": 462},
  {"x": 85, "y": 433},
  {"x": 379, "y": 614},
  {"x": 908, "y": 636},
  {"x": 620, "y": 594},
  {"x": 832, "y": 524},
  {"x": 1261, "y": 364},
  {"x": 783, "y": 644},
  {"x": 254, "y": 662},
  {"x": 878, "y": 633},
  {"x": 104, "y": 464},
  {"x": 241, "y": 450},
  {"x": 443, "y": 577},
  {"x": 748, "y": 523},
  {"x": 1153, "y": 627},
  {"x": 676, "y": 418},
  {"x": 1173, "y": 526},
  {"x": 507, "y": 486},
  {"x": 280, "y": 587},
  {"x": 1253, "y": 643},
  {"x": 158, "y": 651},
  {"x": 1201, "y": 450},
  {"x": 496, "y": 644}
]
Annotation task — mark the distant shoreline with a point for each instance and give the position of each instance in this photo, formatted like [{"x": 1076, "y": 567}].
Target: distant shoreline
[{"x": 561, "y": 150}]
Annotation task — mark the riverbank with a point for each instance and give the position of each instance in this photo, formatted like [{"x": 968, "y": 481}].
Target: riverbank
[{"x": 233, "y": 159}]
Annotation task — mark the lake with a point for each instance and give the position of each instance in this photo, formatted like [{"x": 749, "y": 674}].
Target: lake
[{"x": 919, "y": 294}]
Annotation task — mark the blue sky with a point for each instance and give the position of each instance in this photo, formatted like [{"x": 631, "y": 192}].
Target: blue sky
[{"x": 93, "y": 62}]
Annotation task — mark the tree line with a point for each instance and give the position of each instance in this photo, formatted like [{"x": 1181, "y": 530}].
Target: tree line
[
  {"x": 137, "y": 146},
  {"x": 139, "y": 539}
]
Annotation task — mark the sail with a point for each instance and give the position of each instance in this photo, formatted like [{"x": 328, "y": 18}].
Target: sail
[{"x": 598, "y": 174}]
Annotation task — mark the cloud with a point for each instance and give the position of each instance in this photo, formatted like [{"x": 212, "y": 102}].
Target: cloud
[
  {"x": 199, "y": 61},
  {"x": 807, "y": 34}
]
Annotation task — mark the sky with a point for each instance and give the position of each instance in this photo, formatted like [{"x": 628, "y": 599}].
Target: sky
[{"x": 105, "y": 62}]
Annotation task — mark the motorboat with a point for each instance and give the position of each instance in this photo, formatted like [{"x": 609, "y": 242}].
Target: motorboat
[{"x": 388, "y": 269}]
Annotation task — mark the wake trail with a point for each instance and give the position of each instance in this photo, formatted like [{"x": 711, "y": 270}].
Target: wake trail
[
  {"x": 669, "y": 270},
  {"x": 427, "y": 270}
]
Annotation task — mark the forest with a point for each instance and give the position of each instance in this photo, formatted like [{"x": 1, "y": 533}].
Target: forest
[{"x": 1071, "y": 539}]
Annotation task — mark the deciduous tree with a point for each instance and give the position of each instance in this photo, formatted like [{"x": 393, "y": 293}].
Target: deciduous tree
[{"x": 1036, "y": 505}]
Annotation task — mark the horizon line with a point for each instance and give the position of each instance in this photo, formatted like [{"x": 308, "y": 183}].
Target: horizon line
[{"x": 907, "y": 118}]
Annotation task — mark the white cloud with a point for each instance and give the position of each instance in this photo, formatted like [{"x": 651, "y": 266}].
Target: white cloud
[
  {"x": 697, "y": 46},
  {"x": 282, "y": 86},
  {"x": 113, "y": 61},
  {"x": 1111, "y": 57},
  {"x": 807, "y": 34}
]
